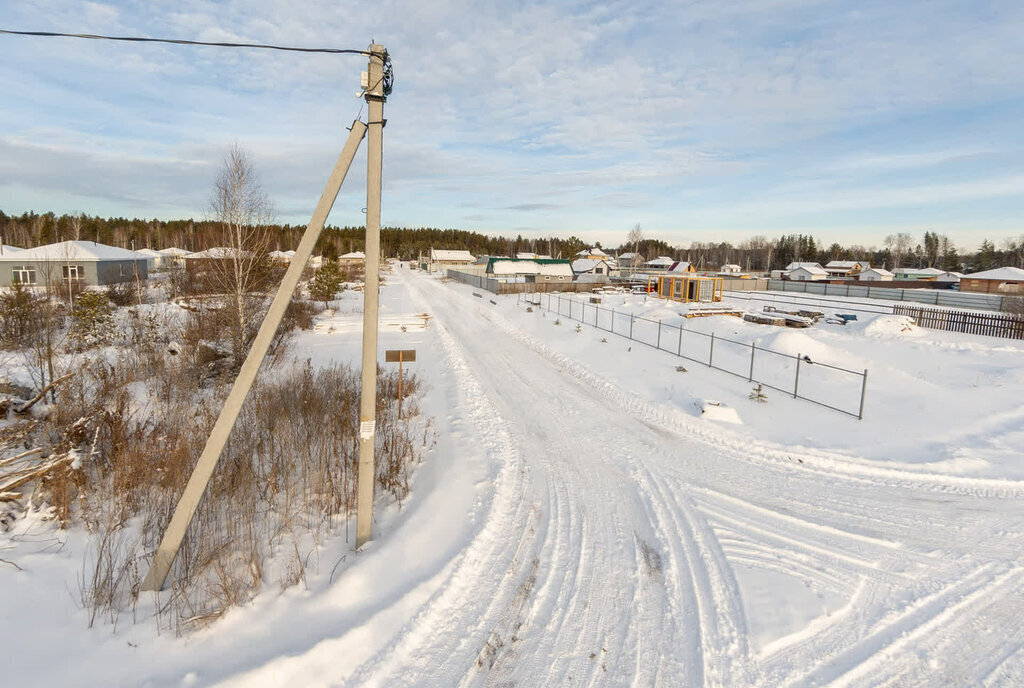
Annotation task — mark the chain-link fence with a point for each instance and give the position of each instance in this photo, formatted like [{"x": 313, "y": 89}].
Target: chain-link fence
[{"x": 834, "y": 387}]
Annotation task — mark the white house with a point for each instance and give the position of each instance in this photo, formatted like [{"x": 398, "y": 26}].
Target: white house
[
  {"x": 731, "y": 269},
  {"x": 875, "y": 275},
  {"x": 153, "y": 258},
  {"x": 660, "y": 263},
  {"x": 807, "y": 273},
  {"x": 794, "y": 266},
  {"x": 173, "y": 257}
]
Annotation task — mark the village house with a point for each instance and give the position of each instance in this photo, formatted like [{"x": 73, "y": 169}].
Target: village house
[
  {"x": 81, "y": 262},
  {"x": 807, "y": 273},
  {"x": 875, "y": 275},
  {"x": 540, "y": 270},
  {"x": 1006, "y": 280},
  {"x": 845, "y": 268}
]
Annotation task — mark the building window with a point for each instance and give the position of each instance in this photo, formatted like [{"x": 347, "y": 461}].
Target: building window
[
  {"x": 72, "y": 273},
  {"x": 24, "y": 274}
]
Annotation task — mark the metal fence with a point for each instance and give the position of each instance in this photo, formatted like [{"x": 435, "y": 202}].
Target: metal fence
[
  {"x": 496, "y": 286},
  {"x": 932, "y": 297},
  {"x": 834, "y": 387},
  {"x": 1009, "y": 326}
]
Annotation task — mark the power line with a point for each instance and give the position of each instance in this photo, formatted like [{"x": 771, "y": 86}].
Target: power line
[{"x": 140, "y": 39}]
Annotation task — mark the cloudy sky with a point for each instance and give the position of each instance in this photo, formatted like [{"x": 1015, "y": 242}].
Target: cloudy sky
[{"x": 700, "y": 120}]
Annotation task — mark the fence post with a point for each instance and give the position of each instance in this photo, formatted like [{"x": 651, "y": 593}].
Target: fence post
[
  {"x": 752, "y": 347},
  {"x": 613, "y": 321},
  {"x": 658, "y": 345},
  {"x": 711, "y": 354},
  {"x": 796, "y": 381},
  {"x": 863, "y": 389},
  {"x": 630, "y": 325},
  {"x": 679, "y": 350}
]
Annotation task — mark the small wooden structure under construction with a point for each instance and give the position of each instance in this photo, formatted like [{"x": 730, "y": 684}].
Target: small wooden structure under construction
[{"x": 688, "y": 288}]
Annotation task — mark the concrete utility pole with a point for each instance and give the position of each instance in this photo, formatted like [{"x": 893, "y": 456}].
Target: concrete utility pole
[
  {"x": 375, "y": 97},
  {"x": 196, "y": 487}
]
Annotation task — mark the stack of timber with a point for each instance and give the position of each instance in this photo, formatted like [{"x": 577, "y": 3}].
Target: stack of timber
[{"x": 704, "y": 311}]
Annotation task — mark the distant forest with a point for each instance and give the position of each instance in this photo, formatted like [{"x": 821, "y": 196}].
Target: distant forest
[{"x": 756, "y": 253}]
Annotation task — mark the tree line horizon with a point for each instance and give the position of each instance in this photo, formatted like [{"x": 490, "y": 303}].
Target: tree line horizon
[{"x": 758, "y": 253}]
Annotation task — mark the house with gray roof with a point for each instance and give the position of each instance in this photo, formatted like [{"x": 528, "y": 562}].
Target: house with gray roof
[{"x": 83, "y": 262}]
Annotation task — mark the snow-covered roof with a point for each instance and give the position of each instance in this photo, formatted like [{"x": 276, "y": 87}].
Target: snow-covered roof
[
  {"x": 354, "y": 255},
  {"x": 445, "y": 254},
  {"x": 812, "y": 268},
  {"x": 877, "y": 271},
  {"x": 660, "y": 261},
  {"x": 681, "y": 266},
  {"x": 928, "y": 272},
  {"x": 842, "y": 264},
  {"x": 174, "y": 251},
  {"x": 218, "y": 253},
  {"x": 527, "y": 256},
  {"x": 150, "y": 252},
  {"x": 509, "y": 266},
  {"x": 1007, "y": 273},
  {"x": 586, "y": 265},
  {"x": 629, "y": 256},
  {"x": 593, "y": 253},
  {"x": 82, "y": 251},
  {"x": 731, "y": 267},
  {"x": 279, "y": 254},
  {"x": 794, "y": 266},
  {"x": 4, "y": 248}
]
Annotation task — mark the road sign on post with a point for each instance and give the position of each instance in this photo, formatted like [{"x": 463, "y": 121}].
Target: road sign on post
[{"x": 399, "y": 356}]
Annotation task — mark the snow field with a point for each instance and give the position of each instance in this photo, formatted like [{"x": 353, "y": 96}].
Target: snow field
[{"x": 580, "y": 521}]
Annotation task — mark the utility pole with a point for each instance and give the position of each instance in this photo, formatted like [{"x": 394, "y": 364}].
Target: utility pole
[{"x": 375, "y": 97}]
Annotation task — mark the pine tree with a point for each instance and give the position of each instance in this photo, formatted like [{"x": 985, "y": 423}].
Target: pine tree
[{"x": 326, "y": 282}]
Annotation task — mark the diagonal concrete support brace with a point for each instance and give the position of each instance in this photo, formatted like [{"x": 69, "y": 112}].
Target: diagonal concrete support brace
[{"x": 193, "y": 494}]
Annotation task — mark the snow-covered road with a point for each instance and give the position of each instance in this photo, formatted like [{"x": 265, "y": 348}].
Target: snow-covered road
[{"x": 624, "y": 545}]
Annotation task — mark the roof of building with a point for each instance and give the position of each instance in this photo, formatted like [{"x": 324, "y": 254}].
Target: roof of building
[
  {"x": 355, "y": 255},
  {"x": 878, "y": 271},
  {"x": 660, "y": 261},
  {"x": 918, "y": 271},
  {"x": 732, "y": 266},
  {"x": 150, "y": 252},
  {"x": 82, "y": 251},
  {"x": 842, "y": 264},
  {"x": 174, "y": 251},
  {"x": 217, "y": 253},
  {"x": 586, "y": 265},
  {"x": 446, "y": 254},
  {"x": 806, "y": 264},
  {"x": 517, "y": 266},
  {"x": 4, "y": 248},
  {"x": 680, "y": 266},
  {"x": 812, "y": 268},
  {"x": 1007, "y": 273},
  {"x": 593, "y": 253}
]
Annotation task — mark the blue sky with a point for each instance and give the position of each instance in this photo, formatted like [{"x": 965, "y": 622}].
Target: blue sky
[{"x": 702, "y": 121}]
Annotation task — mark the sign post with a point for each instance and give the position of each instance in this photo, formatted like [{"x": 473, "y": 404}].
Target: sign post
[{"x": 399, "y": 355}]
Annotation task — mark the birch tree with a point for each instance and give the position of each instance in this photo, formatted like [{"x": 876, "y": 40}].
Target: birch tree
[{"x": 242, "y": 269}]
